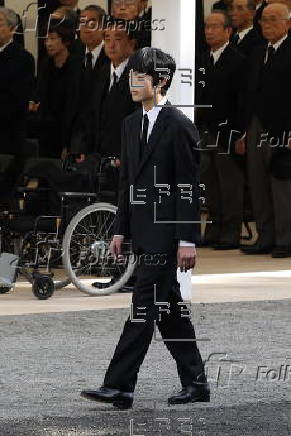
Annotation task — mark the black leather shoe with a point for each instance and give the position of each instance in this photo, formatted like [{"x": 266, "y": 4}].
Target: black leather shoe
[
  {"x": 281, "y": 251},
  {"x": 191, "y": 394},
  {"x": 226, "y": 246},
  {"x": 256, "y": 249},
  {"x": 119, "y": 399}
]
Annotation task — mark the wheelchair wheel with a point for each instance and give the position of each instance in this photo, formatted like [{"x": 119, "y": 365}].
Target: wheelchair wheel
[
  {"x": 4, "y": 290},
  {"x": 86, "y": 256},
  {"x": 43, "y": 287}
]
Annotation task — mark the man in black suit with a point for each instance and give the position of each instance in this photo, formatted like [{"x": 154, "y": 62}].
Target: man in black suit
[
  {"x": 246, "y": 37},
  {"x": 157, "y": 140},
  {"x": 113, "y": 100},
  {"x": 16, "y": 83},
  {"x": 268, "y": 136},
  {"x": 223, "y": 67},
  {"x": 92, "y": 58},
  {"x": 138, "y": 15}
]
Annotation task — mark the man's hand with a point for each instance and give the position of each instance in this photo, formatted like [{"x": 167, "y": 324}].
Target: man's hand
[
  {"x": 115, "y": 245},
  {"x": 240, "y": 146},
  {"x": 186, "y": 257}
]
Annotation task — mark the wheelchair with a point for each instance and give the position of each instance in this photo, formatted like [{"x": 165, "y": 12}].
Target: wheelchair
[{"x": 75, "y": 241}]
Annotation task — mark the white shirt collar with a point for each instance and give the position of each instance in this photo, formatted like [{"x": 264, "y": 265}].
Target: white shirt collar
[
  {"x": 259, "y": 5},
  {"x": 217, "y": 53},
  {"x": 278, "y": 43},
  {"x": 243, "y": 33},
  {"x": 5, "y": 45},
  {"x": 154, "y": 113},
  {"x": 96, "y": 52},
  {"x": 118, "y": 70}
]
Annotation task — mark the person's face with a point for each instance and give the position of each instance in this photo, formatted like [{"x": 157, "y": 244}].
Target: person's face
[
  {"x": 6, "y": 32},
  {"x": 69, "y": 3},
  {"x": 127, "y": 9},
  {"x": 141, "y": 87},
  {"x": 118, "y": 46},
  {"x": 240, "y": 14},
  {"x": 215, "y": 31},
  {"x": 274, "y": 22},
  {"x": 90, "y": 29},
  {"x": 54, "y": 44}
]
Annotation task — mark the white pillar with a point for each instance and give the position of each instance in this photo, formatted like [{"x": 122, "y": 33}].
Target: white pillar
[{"x": 178, "y": 39}]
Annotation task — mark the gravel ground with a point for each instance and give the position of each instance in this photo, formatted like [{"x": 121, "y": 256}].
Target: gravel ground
[{"x": 47, "y": 359}]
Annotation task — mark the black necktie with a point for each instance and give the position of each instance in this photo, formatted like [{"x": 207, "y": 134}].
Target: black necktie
[
  {"x": 89, "y": 62},
  {"x": 144, "y": 136},
  {"x": 270, "y": 54},
  {"x": 114, "y": 78},
  {"x": 235, "y": 38}
]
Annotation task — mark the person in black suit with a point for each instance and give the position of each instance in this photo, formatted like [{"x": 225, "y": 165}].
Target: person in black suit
[
  {"x": 246, "y": 37},
  {"x": 138, "y": 15},
  {"x": 157, "y": 139},
  {"x": 17, "y": 72},
  {"x": 92, "y": 58},
  {"x": 113, "y": 100},
  {"x": 223, "y": 67},
  {"x": 268, "y": 136},
  {"x": 58, "y": 93},
  {"x": 16, "y": 82}
]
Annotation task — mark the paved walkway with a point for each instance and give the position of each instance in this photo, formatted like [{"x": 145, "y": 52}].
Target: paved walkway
[{"x": 242, "y": 322}]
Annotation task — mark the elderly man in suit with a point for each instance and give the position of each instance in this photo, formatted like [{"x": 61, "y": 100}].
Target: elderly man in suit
[
  {"x": 268, "y": 137},
  {"x": 246, "y": 37},
  {"x": 92, "y": 58},
  {"x": 158, "y": 138},
  {"x": 221, "y": 171}
]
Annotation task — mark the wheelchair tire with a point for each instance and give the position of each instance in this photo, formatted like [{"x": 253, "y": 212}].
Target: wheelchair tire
[
  {"x": 43, "y": 287},
  {"x": 4, "y": 290},
  {"x": 82, "y": 248}
]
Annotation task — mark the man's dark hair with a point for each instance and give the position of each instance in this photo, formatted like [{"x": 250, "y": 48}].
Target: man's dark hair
[
  {"x": 155, "y": 63},
  {"x": 64, "y": 31},
  {"x": 251, "y": 5},
  {"x": 227, "y": 18},
  {"x": 119, "y": 24}
]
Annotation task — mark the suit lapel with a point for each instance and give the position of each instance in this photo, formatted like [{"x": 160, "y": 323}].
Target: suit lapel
[{"x": 156, "y": 134}]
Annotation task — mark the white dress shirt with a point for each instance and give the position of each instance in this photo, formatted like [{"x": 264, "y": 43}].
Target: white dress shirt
[
  {"x": 217, "y": 53},
  {"x": 95, "y": 53},
  {"x": 152, "y": 116},
  {"x": 5, "y": 45},
  {"x": 118, "y": 71}
]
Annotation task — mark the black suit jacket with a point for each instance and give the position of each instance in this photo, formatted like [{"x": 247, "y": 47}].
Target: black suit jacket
[
  {"x": 223, "y": 89},
  {"x": 84, "y": 127},
  {"x": 111, "y": 108},
  {"x": 16, "y": 83},
  {"x": 251, "y": 40},
  {"x": 171, "y": 150},
  {"x": 269, "y": 96}
]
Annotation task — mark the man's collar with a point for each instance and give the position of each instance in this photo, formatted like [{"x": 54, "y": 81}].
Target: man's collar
[
  {"x": 97, "y": 50},
  {"x": 277, "y": 44},
  {"x": 120, "y": 69},
  {"x": 244, "y": 32},
  {"x": 5, "y": 45},
  {"x": 217, "y": 53},
  {"x": 154, "y": 112}
]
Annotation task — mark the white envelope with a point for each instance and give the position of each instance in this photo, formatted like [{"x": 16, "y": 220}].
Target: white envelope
[{"x": 184, "y": 278}]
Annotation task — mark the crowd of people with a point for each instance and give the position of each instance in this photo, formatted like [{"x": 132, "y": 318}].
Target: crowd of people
[{"x": 76, "y": 104}]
